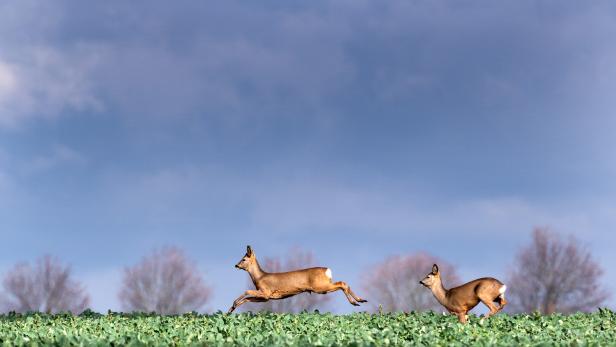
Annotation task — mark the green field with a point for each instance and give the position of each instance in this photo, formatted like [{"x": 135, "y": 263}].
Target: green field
[{"x": 427, "y": 329}]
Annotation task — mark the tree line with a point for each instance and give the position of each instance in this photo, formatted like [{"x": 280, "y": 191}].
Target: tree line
[{"x": 552, "y": 273}]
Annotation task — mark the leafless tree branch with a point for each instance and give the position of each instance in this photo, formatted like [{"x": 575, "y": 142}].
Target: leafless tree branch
[
  {"x": 555, "y": 275},
  {"x": 165, "y": 282},
  {"x": 46, "y": 287}
]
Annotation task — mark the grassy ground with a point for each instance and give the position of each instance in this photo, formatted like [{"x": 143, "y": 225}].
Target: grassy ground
[{"x": 429, "y": 329}]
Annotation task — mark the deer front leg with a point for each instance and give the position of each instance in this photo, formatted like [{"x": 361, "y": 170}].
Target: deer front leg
[
  {"x": 251, "y": 299},
  {"x": 461, "y": 317},
  {"x": 242, "y": 298},
  {"x": 235, "y": 302}
]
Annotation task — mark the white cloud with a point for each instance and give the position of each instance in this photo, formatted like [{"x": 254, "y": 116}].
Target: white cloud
[
  {"x": 302, "y": 205},
  {"x": 58, "y": 155},
  {"x": 44, "y": 83},
  {"x": 7, "y": 81},
  {"x": 224, "y": 71},
  {"x": 294, "y": 204},
  {"x": 301, "y": 59},
  {"x": 6, "y": 181},
  {"x": 40, "y": 79},
  {"x": 322, "y": 206}
]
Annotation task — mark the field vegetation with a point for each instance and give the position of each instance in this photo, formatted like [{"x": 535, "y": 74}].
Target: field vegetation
[{"x": 281, "y": 329}]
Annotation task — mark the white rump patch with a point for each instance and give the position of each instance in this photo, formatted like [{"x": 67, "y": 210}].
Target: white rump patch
[
  {"x": 328, "y": 273},
  {"x": 502, "y": 289}
]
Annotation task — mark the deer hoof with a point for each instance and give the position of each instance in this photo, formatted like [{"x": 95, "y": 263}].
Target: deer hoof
[
  {"x": 354, "y": 304},
  {"x": 362, "y": 300}
]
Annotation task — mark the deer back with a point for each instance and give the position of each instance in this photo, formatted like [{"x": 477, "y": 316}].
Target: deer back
[{"x": 296, "y": 281}]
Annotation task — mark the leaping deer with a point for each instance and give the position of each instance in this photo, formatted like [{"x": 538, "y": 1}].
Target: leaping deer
[
  {"x": 461, "y": 299},
  {"x": 280, "y": 285}
]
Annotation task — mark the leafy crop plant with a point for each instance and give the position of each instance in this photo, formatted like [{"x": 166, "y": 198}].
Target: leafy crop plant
[{"x": 303, "y": 329}]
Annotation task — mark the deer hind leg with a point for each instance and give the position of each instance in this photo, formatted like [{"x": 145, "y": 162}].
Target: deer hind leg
[
  {"x": 490, "y": 305},
  {"x": 332, "y": 287},
  {"x": 357, "y": 298},
  {"x": 501, "y": 301}
]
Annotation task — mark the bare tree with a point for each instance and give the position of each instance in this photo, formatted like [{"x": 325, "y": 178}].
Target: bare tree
[
  {"x": 295, "y": 259},
  {"x": 165, "y": 282},
  {"x": 45, "y": 287},
  {"x": 393, "y": 285},
  {"x": 555, "y": 275}
]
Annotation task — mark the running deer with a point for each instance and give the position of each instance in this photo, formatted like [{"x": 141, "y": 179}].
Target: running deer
[
  {"x": 280, "y": 285},
  {"x": 461, "y": 299}
]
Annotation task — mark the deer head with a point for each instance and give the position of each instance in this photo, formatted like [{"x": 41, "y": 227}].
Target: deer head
[
  {"x": 247, "y": 260},
  {"x": 432, "y": 278}
]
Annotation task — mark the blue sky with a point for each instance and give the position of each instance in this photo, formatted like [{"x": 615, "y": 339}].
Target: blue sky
[{"x": 354, "y": 129}]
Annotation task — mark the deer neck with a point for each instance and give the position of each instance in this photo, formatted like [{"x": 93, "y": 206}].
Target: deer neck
[
  {"x": 440, "y": 293},
  {"x": 255, "y": 272}
]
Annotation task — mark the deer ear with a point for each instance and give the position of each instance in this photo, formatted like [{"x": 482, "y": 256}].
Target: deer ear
[
  {"x": 248, "y": 251},
  {"x": 435, "y": 269}
]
